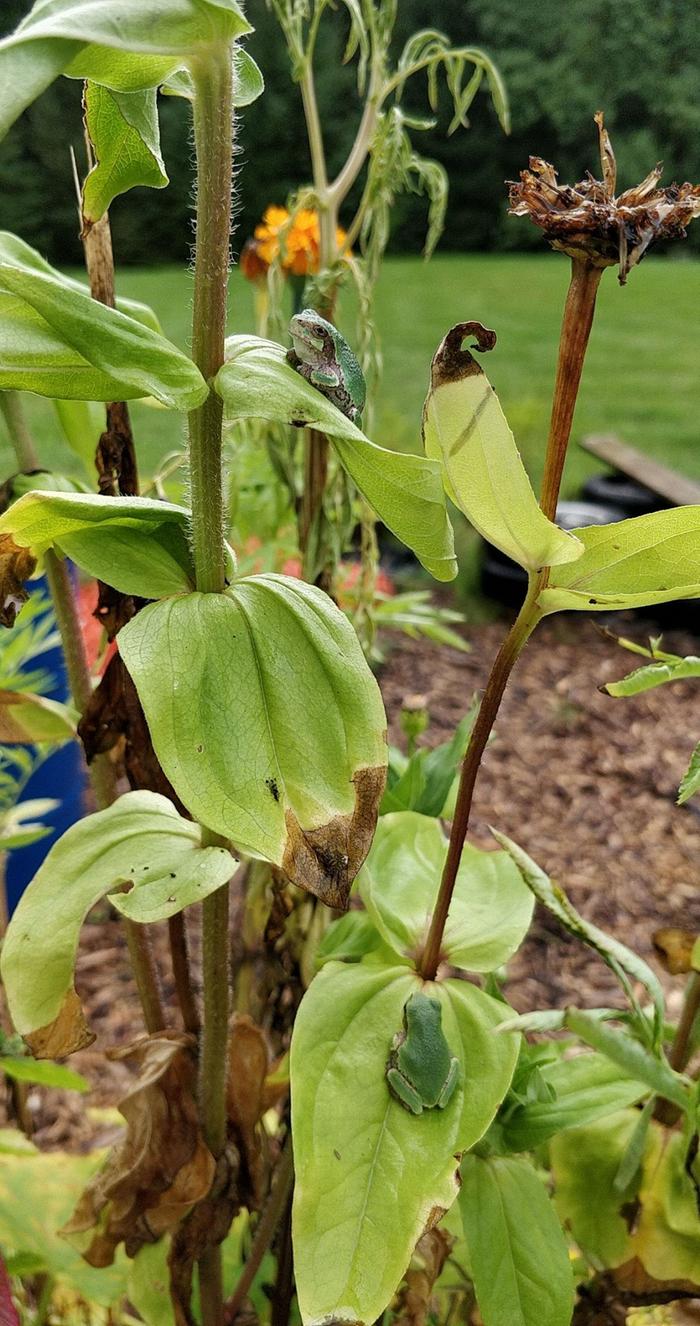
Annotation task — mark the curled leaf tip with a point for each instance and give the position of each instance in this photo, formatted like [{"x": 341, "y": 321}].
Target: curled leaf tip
[
  {"x": 590, "y": 222},
  {"x": 452, "y": 361}
]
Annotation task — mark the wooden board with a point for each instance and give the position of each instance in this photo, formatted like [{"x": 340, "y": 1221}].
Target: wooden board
[{"x": 674, "y": 487}]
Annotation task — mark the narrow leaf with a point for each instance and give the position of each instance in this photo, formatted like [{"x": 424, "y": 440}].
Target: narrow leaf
[
  {"x": 518, "y": 1255},
  {"x": 43, "y": 1074},
  {"x": 690, "y": 782},
  {"x": 630, "y": 1056},
  {"x": 585, "y": 1087},
  {"x": 268, "y": 723},
  {"x": 464, "y": 427},
  {"x": 29, "y": 719},
  {"x": 140, "y": 842},
  {"x": 621, "y": 960},
  {"x": 653, "y": 674},
  {"x": 405, "y": 491},
  {"x": 631, "y": 564}
]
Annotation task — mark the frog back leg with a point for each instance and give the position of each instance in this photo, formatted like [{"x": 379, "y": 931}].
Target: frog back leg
[{"x": 402, "y": 1091}]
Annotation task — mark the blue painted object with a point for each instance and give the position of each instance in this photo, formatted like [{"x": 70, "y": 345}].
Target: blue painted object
[{"x": 62, "y": 776}]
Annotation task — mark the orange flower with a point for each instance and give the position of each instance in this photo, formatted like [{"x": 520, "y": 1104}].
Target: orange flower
[{"x": 297, "y": 243}]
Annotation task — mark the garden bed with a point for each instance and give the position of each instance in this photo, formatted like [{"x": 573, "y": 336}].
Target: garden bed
[{"x": 585, "y": 783}]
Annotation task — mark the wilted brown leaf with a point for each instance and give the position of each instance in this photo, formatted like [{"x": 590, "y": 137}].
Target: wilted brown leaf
[
  {"x": 674, "y": 948},
  {"x": 161, "y": 1168},
  {"x": 248, "y": 1068},
  {"x": 16, "y": 565},
  {"x": 67, "y": 1033},
  {"x": 587, "y": 220},
  {"x": 326, "y": 860},
  {"x": 427, "y": 1262}
]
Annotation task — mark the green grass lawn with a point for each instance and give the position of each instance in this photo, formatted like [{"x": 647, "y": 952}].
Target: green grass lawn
[{"x": 641, "y": 378}]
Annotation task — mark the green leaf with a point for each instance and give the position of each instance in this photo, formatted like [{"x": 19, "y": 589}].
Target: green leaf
[
  {"x": 690, "y": 783},
  {"x": 37, "y": 1195},
  {"x": 518, "y": 1256},
  {"x": 631, "y": 564},
  {"x": 15, "y": 1143},
  {"x": 108, "y": 40},
  {"x": 622, "y": 961},
  {"x": 256, "y": 382},
  {"x": 17, "y": 830},
  {"x": 29, "y": 719},
  {"x": 138, "y": 545},
  {"x": 58, "y": 342},
  {"x": 630, "y": 1056},
  {"x": 425, "y": 783},
  {"x": 464, "y": 427},
  {"x": 667, "y": 1240},
  {"x": 43, "y": 1074},
  {"x": 14, "y": 251},
  {"x": 149, "y": 1283},
  {"x": 653, "y": 674},
  {"x": 363, "y": 1163},
  {"x": 268, "y": 723},
  {"x": 585, "y": 1087},
  {"x": 585, "y": 1161},
  {"x": 349, "y": 939},
  {"x": 140, "y": 842},
  {"x": 82, "y": 423},
  {"x": 490, "y": 911},
  {"x": 123, "y": 130}
]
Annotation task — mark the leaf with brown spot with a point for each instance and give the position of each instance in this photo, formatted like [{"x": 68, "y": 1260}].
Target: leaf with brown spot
[
  {"x": 427, "y": 1263},
  {"x": 268, "y": 723},
  {"x": 154, "y": 1176},
  {"x": 16, "y": 566}
]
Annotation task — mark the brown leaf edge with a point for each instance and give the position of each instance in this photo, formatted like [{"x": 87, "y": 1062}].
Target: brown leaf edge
[
  {"x": 325, "y": 861},
  {"x": 16, "y": 565},
  {"x": 451, "y": 362},
  {"x": 64, "y": 1035}
]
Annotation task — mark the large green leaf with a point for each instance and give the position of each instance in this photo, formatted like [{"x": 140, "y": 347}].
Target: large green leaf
[
  {"x": 123, "y": 130},
  {"x": 583, "y": 1088},
  {"x": 136, "y": 544},
  {"x": 268, "y": 722},
  {"x": 627, "y": 966},
  {"x": 631, "y": 564},
  {"x": 141, "y": 842},
  {"x": 58, "y": 342},
  {"x": 518, "y": 1256},
  {"x": 465, "y": 427},
  {"x": 491, "y": 907},
  {"x": 406, "y": 491},
  {"x": 17, "y": 253},
  {"x": 370, "y": 1176},
  {"x": 116, "y": 42}
]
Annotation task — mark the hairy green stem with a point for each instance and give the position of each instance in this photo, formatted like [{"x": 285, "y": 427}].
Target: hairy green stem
[
  {"x": 213, "y": 132},
  {"x": 575, "y": 331}
]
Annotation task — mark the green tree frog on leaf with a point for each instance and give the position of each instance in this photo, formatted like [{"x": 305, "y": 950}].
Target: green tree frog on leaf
[
  {"x": 324, "y": 358},
  {"x": 421, "y": 1073}
]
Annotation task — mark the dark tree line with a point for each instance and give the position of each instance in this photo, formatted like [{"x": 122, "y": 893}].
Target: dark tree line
[{"x": 561, "y": 60}]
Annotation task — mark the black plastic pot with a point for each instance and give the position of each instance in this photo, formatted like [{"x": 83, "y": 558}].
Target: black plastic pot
[{"x": 633, "y": 499}]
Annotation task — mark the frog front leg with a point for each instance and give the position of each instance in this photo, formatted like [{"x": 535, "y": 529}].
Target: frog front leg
[
  {"x": 324, "y": 377},
  {"x": 401, "y": 1088},
  {"x": 450, "y": 1083}
]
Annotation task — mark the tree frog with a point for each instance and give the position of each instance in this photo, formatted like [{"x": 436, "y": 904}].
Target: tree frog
[
  {"x": 324, "y": 358},
  {"x": 421, "y": 1072}
]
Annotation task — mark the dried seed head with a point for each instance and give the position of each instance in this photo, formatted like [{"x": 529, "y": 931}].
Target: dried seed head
[{"x": 588, "y": 220}]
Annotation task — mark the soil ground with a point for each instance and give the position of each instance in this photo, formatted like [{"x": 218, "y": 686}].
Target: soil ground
[{"x": 586, "y": 784}]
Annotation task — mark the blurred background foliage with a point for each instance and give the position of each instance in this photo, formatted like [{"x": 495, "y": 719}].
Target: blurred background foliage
[{"x": 638, "y": 61}]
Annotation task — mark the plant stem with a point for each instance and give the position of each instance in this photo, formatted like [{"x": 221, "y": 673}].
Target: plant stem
[
  {"x": 265, "y": 1229},
  {"x": 681, "y": 1049},
  {"x": 575, "y": 331},
  {"x": 213, "y": 132},
  {"x": 19, "y": 434},
  {"x": 512, "y": 646},
  {"x": 179, "y": 952}
]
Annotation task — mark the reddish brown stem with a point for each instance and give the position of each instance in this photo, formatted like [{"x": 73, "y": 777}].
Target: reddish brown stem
[{"x": 575, "y": 331}]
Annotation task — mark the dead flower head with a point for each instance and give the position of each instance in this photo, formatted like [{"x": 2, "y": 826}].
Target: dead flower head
[{"x": 588, "y": 220}]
